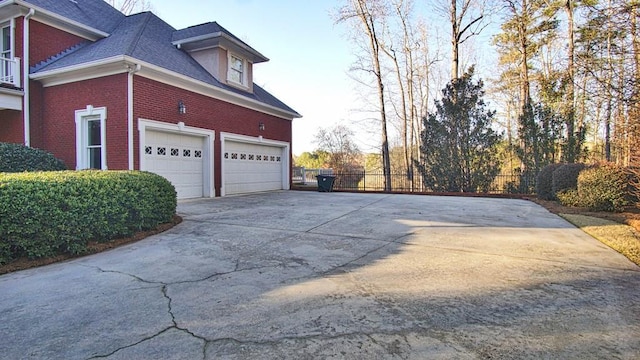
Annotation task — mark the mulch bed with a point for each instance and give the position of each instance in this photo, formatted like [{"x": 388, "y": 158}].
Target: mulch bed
[{"x": 92, "y": 248}]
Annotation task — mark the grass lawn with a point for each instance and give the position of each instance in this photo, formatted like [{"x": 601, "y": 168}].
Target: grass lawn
[
  {"x": 619, "y": 231},
  {"x": 620, "y": 237}
]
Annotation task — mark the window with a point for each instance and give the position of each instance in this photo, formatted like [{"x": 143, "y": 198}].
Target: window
[
  {"x": 5, "y": 52},
  {"x": 93, "y": 148},
  {"x": 236, "y": 70},
  {"x": 5, "y": 41},
  {"x": 91, "y": 138}
]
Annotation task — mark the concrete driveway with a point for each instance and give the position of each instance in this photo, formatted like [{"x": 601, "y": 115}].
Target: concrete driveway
[{"x": 306, "y": 275}]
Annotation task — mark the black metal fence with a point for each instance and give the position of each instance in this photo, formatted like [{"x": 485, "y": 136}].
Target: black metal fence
[{"x": 375, "y": 181}]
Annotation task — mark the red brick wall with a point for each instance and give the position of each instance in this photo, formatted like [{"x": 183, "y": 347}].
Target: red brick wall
[
  {"x": 11, "y": 129},
  {"x": 36, "y": 108},
  {"x": 157, "y": 101},
  {"x": 46, "y": 41},
  {"x": 57, "y": 125}
]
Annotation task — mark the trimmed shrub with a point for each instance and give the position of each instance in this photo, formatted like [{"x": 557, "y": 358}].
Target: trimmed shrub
[
  {"x": 544, "y": 182},
  {"x": 565, "y": 177},
  {"x": 47, "y": 213},
  {"x": 20, "y": 158},
  {"x": 604, "y": 188},
  {"x": 569, "y": 198}
]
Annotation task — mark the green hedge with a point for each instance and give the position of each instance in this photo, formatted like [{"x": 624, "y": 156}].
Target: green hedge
[
  {"x": 544, "y": 182},
  {"x": 19, "y": 158},
  {"x": 569, "y": 198},
  {"x": 565, "y": 177},
  {"x": 604, "y": 188},
  {"x": 47, "y": 213}
]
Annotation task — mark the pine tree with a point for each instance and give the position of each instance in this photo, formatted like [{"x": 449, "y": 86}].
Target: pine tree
[{"x": 459, "y": 147}]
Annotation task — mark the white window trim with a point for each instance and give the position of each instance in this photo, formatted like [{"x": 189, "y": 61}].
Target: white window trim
[
  {"x": 285, "y": 146},
  {"x": 10, "y": 25},
  {"x": 181, "y": 128},
  {"x": 245, "y": 69},
  {"x": 90, "y": 113}
]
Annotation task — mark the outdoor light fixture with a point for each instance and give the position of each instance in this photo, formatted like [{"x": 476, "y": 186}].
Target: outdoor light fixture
[
  {"x": 261, "y": 126},
  {"x": 181, "y": 108}
]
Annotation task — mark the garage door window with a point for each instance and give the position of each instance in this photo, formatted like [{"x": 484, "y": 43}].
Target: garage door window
[{"x": 91, "y": 138}]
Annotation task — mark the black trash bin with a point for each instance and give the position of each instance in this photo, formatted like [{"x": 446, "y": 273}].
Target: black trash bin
[{"x": 325, "y": 182}]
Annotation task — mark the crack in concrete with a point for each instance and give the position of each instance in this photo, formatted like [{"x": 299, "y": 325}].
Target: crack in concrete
[
  {"x": 173, "y": 321},
  {"x": 296, "y": 232},
  {"x": 347, "y": 213},
  {"x": 130, "y": 345},
  {"x": 324, "y": 337}
]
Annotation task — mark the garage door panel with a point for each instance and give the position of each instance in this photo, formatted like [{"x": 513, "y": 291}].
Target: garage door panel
[
  {"x": 252, "y": 167},
  {"x": 178, "y": 158}
]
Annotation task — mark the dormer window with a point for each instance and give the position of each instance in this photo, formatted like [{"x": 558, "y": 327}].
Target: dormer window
[
  {"x": 237, "y": 70},
  {"x": 229, "y": 59}
]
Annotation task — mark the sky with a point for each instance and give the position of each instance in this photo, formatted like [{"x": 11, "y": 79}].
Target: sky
[{"x": 309, "y": 56}]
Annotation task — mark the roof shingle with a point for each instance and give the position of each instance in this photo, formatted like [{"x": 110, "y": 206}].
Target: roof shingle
[{"x": 142, "y": 36}]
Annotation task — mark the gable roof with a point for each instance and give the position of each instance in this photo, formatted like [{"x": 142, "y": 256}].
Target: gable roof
[
  {"x": 147, "y": 38},
  {"x": 91, "y": 13},
  {"x": 212, "y": 34}
]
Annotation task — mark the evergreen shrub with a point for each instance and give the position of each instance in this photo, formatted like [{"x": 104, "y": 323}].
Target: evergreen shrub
[
  {"x": 604, "y": 188},
  {"x": 48, "y": 213},
  {"x": 565, "y": 177},
  {"x": 20, "y": 158},
  {"x": 544, "y": 182}
]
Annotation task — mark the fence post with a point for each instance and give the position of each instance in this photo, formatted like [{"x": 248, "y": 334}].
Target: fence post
[{"x": 304, "y": 176}]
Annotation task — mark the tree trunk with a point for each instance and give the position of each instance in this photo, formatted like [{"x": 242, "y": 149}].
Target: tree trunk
[
  {"x": 455, "y": 45},
  {"x": 634, "y": 111},
  {"x": 573, "y": 141},
  {"x": 369, "y": 23}
]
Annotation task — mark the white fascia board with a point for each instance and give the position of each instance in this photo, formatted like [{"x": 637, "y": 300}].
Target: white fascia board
[
  {"x": 197, "y": 38},
  {"x": 169, "y": 77},
  {"x": 257, "y": 56},
  {"x": 50, "y": 18},
  {"x": 10, "y": 99},
  {"x": 90, "y": 70},
  {"x": 122, "y": 64},
  {"x": 9, "y": 12}
]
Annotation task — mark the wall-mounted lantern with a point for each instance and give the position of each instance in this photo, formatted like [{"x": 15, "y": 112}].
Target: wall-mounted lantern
[
  {"x": 261, "y": 126},
  {"x": 181, "y": 108}
]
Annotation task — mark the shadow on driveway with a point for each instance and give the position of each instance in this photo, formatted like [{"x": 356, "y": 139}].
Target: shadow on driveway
[{"x": 335, "y": 275}]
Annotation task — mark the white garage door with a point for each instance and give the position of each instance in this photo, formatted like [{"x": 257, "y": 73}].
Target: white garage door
[
  {"x": 252, "y": 167},
  {"x": 179, "y": 158}
]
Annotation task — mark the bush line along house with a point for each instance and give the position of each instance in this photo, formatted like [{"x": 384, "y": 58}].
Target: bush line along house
[{"x": 102, "y": 90}]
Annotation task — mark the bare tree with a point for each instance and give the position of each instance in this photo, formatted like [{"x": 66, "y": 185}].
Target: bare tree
[
  {"x": 130, "y": 6},
  {"x": 467, "y": 19},
  {"x": 367, "y": 16},
  {"x": 337, "y": 142},
  {"x": 403, "y": 66}
]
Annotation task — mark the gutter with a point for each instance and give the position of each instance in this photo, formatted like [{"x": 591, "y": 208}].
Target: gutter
[
  {"x": 149, "y": 70},
  {"x": 132, "y": 69},
  {"x": 90, "y": 32},
  {"x": 26, "y": 99}
]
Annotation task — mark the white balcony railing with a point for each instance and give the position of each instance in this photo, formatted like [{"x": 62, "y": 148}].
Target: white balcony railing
[{"x": 10, "y": 71}]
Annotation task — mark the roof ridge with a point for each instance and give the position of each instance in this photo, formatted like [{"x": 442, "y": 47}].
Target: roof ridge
[
  {"x": 51, "y": 59},
  {"x": 138, "y": 36}
]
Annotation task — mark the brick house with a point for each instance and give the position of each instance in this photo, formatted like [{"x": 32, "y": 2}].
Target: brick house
[{"x": 103, "y": 90}]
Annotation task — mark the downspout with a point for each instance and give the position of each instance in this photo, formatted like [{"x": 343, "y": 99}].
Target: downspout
[
  {"x": 132, "y": 70},
  {"x": 26, "y": 99}
]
